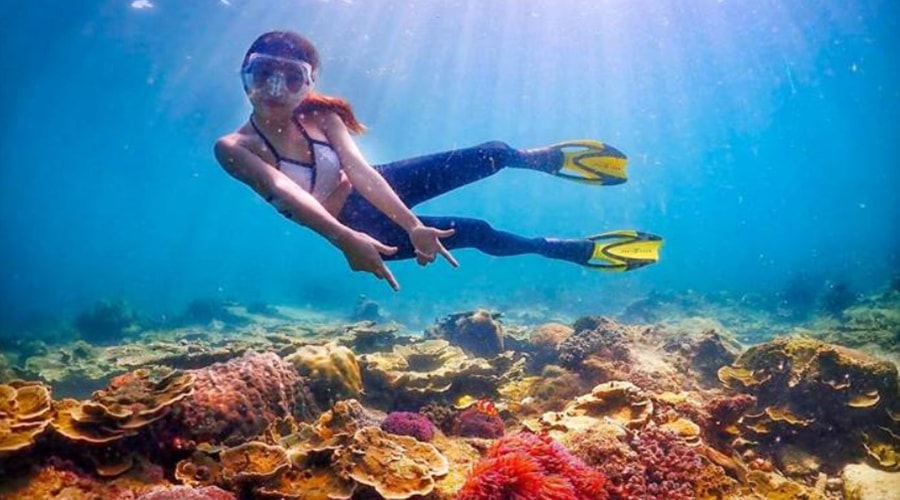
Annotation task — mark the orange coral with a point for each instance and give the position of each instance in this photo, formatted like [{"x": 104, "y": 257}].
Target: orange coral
[
  {"x": 130, "y": 402},
  {"x": 25, "y": 412}
]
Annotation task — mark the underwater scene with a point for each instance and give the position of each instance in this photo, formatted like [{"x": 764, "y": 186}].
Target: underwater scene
[{"x": 450, "y": 249}]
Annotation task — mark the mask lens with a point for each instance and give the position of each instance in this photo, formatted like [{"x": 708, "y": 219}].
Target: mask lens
[{"x": 261, "y": 69}]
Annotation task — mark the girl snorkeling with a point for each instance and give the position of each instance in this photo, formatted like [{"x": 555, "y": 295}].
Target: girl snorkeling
[{"x": 297, "y": 151}]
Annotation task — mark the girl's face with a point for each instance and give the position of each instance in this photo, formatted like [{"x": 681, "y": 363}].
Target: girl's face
[{"x": 275, "y": 82}]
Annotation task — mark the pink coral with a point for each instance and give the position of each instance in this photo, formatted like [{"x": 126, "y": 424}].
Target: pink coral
[
  {"x": 665, "y": 468},
  {"x": 525, "y": 465},
  {"x": 236, "y": 400},
  {"x": 407, "y": 423},
  {"x": 474, "y": 422},
  {"x": 187, "y": 493}
]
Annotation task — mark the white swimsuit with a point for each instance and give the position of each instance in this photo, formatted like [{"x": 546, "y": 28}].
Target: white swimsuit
[{"x": 319, "y": 178}]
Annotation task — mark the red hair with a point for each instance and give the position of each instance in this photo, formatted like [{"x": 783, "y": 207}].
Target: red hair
[{"x": 318, "y": 102}]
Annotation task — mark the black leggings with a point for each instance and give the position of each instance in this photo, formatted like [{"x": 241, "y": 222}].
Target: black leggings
[{"x": 420, "y": 179}]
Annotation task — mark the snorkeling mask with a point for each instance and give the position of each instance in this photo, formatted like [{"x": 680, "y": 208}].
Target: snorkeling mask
[{"x": 277, "y": 78}]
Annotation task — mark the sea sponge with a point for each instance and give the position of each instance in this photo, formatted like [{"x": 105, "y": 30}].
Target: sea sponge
[
  {"x": 474, "y": 422},
  {"x": 406, "y": 423}
]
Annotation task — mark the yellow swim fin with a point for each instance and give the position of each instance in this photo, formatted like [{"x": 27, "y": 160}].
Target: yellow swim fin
[
  {"x": 624, "y": 250},
  {"x": 592, "y": 162}
]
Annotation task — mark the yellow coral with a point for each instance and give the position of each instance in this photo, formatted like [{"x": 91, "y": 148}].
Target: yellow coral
[{"x": 331, "y": 368}]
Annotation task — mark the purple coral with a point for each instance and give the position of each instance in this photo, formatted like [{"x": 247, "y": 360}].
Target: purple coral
[
  {"x": 473, "y": 422},
  {"x": 407, "y": 423}
]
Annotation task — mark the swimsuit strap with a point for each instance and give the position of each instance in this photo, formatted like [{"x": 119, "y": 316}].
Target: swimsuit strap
[
  {"x": 265, "y": 139},
  {"x": 309, "y": 140}
]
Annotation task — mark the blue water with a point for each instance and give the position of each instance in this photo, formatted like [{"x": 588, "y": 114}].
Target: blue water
[{"x": 762, "y": 137}]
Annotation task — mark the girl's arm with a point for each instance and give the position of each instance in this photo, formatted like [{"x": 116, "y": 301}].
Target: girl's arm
[
  {"x": 376, "y": 190},
  {"x": 363, "y": 252}
]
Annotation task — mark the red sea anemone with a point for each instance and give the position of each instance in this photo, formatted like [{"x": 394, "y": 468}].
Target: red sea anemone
[
  {"x": 514, "y": 477},
  {"x": 527, "y": 466}
]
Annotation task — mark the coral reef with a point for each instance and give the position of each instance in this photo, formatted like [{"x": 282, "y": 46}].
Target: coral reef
[
  {"x": 252, "y": 461},
  {"x": 236, "y": 400},
  {"x": 366, "y": 338},
  {"x": 406, "y": 423},
  {"x": 665, "y": 467},
  {"x": 703, "y": 353},
  {"x": 593, "y": 335},
  {"x": 873, "y": 325},
  {"x": 367, "y": 309},
  {"x": 798, "y": 298},
  {"x": 426, "y": 372},
  {"x": 479, "y": 333},
  {"x": 525, "y": 465},
  {"x": 206, "y": 311},
  {"x": 394, "y": 466},
  {"x": 107, "y": 321},
  {"x": 806, "y": 389},
  {"x": 187, "y": 493},
  {"x": 724, "y": 413},
  {"x": 25, "y": 412},
  {"x": 332, "y": 371},
  {"x": 837, "y": 297},
  {"x": 635, "y": 412},
  {"x": 544, "y": 341},
  {"x": 130, "y": 403},
  {"x": 442, "y": 416},
  {"x": 344, "y": 417},
  {"x": 478, "y": 421},
  {"x": 617, "y": 401}
]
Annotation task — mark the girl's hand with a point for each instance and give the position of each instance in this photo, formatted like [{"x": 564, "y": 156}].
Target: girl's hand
[
  {"x": 364, "y": 252},
  {"x": 426, "y": 241}
]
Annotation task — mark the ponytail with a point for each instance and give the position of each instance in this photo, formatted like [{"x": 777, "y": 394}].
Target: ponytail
[{"x": 318, "y": 102}]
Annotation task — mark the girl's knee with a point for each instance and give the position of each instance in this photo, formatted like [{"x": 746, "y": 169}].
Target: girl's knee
[
  {"x": 495, "y": 147},
  {"x": 498, "y": 152}
]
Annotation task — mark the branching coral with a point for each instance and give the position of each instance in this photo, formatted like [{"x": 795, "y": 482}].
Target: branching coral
[
  {"x": 665, "y": 467},
  {"x": 592, "y": 336}
]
